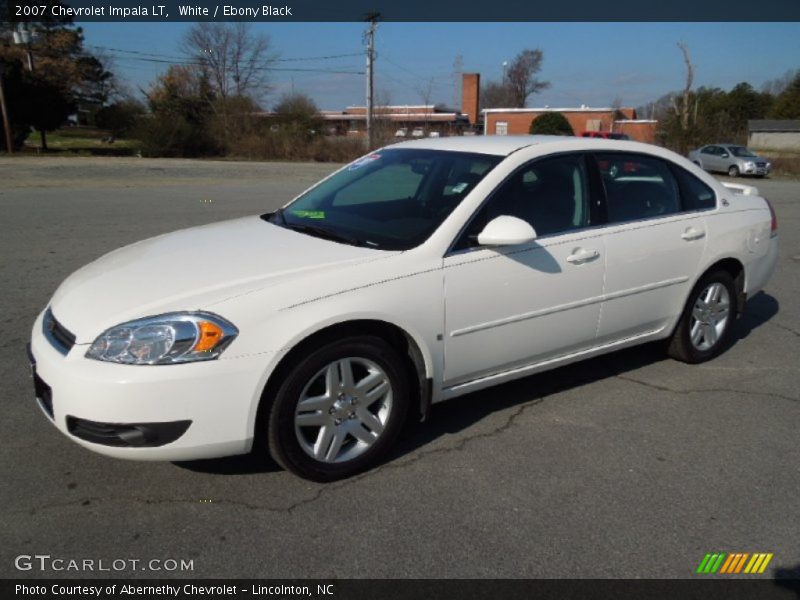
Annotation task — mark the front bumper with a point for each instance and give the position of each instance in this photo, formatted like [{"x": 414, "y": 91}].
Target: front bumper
[
  {"x": 141, "y": 412},
  {"x": 755, "y": 170}
]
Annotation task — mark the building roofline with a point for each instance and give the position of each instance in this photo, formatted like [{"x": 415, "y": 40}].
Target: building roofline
[{"x": 548, "y": 109}]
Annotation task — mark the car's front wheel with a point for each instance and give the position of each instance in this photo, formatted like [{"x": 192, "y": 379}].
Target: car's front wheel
[
  {"x": 706, "y": 325},
  {"x": 339, "y": 409},
  {"x": 733, "y": 171}
]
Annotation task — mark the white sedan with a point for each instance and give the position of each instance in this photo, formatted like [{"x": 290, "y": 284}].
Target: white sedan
[{"x": 418, "y": 273}]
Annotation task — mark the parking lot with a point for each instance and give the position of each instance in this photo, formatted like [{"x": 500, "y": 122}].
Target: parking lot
[{"x": 629, "y": 465}]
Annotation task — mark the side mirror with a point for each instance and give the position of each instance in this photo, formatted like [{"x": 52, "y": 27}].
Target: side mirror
[{"x": 506, "y": 231}]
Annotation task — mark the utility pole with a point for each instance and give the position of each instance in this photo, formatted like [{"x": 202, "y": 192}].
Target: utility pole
[
  {"x": 6, "y": 126},
  {"x": 369, "y": 35}
]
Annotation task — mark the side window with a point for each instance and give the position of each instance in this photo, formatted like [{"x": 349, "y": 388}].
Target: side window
[
  {"x": 638, "y": 187},
  {"x": 695, "y": 195},
  {"x": 708, "y": 150},
  {"x": 551, "y": 194}
]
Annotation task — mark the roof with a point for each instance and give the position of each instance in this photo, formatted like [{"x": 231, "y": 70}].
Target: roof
[
  {"x": 503, "y": 145},
  {"x": 431, "y": 117},
  {"x": 548, "y": 109},
  {"x": 773, "y": 125}
]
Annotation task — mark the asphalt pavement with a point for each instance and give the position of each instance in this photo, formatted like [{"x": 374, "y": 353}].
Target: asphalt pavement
[{"x": 629, "y": 465}]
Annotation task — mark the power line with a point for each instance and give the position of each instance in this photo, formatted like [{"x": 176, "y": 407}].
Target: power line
[
  {"x": 167, "y": 56},
  {"x": 189, "y": 63}
]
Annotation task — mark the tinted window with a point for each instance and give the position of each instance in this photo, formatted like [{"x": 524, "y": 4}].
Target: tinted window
[
  {"x": 741, "y": 152},
  {"x": 709, "y": 150},
  {"x": 390, "y": 199},
  {"x": 551, "y": 194},
  {"x": 637, "y": 187},
  {"x": 695, "y": 195}
]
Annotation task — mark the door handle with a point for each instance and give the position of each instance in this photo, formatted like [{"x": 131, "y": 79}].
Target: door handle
[
  {"x": 581, "y": 256},
  {"x": 693, "y": 234}
]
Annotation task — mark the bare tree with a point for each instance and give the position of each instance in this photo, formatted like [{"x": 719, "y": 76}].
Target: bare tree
[
  {"x": 425, "y": 91},
  {"x": 616, "y": 112},
  {"x": 779, "y": 84},
  {"x": 235, "y": 60},
  {"x": 383, "y": 128},
  {"x": 683, "y": 108},
  {"x": 458, "y": 74},
  {"x": 521, "y": 76},
  {"x": 496, "y": 95}
]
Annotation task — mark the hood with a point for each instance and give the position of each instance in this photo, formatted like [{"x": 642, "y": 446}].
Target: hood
[{"x": 192, "y": 269}]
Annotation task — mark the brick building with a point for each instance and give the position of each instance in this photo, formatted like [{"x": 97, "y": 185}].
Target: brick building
[
  {"x": 517, "y": 121},
  {"x": 353, "y": 119}
]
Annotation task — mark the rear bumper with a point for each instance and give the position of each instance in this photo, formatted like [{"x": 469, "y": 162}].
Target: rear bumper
[{"x": 165, "y": 412}]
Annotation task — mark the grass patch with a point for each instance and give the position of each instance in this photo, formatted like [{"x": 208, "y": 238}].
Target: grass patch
[{"x": 82, "y": 141}]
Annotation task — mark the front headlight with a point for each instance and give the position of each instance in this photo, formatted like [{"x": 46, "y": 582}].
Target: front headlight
[
  {"x": 165, "y": 339},
  {"x": 749, "y": 165}
]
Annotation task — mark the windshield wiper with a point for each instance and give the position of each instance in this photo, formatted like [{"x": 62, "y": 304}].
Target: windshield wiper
[{"x": 278, "y": 218}]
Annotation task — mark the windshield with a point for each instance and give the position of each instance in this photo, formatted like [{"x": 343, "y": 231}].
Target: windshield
[
  {"x": 741, "y": 152},
  {"x": 390, "y": 199}
]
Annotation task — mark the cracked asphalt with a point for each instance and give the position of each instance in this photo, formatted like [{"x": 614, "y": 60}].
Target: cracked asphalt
[{"x": 629, "y": 465}]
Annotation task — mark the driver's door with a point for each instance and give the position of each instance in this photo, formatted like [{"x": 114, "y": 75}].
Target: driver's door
[{"x": 510, "y": 306}]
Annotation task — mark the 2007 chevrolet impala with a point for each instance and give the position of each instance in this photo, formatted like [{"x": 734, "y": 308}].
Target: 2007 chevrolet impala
[{"x": 418, "y": 273}]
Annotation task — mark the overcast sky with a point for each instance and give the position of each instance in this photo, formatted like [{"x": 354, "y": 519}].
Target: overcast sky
[{"x": 587, "y": 63}]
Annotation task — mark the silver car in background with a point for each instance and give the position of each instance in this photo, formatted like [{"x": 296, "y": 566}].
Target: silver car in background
[{"x": 732, "y": 159}]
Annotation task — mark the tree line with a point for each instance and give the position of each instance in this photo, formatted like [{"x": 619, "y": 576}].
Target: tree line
[
  {"x": 210, "y": 103},
  {"x": 716, "y": 115}
]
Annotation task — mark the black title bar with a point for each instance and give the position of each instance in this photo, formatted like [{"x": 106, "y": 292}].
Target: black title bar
[
  {"x": 711, "y": 588},
  {"x": 404, "y": 10}
]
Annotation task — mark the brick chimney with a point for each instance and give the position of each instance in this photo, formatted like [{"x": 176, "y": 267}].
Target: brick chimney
[{"x": 470, "y": 96}]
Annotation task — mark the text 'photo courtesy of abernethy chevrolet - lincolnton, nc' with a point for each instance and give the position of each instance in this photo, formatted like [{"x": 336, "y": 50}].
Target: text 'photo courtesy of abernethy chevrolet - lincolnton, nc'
[{"x": 418, "y": 273}]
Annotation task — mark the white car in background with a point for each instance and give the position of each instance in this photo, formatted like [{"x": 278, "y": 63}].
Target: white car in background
[{"x": 416, "y": 274}]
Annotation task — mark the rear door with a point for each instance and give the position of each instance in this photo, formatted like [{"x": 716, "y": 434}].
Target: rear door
[
  {"x": 654, "y": 241},
  {"x": 708, "y": 158}
]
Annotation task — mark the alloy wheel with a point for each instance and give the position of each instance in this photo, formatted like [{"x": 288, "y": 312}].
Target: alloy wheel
[
  {"x": 343, "y": 410},
  {"x": 710, "y": 316}
]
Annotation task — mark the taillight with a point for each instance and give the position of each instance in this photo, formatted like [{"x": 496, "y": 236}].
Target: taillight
[{"x": 774, "y": 224}]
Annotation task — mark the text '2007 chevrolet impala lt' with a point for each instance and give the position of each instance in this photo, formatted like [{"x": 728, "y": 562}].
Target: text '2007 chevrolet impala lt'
[{"x": 418, "y": 273}]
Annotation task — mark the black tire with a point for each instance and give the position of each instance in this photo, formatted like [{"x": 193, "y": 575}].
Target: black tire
[
  {"x": 284, "y": 439},
  {"x": 681, "y": 347},
  {"x": 733, "y": 171}
]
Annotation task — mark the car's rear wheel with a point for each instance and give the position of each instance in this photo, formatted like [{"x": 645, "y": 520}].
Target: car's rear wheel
[
  {"x": 339, "y": 409},
  {"x": 733, "y": 171},
  {"x": 706, "y": 325}
]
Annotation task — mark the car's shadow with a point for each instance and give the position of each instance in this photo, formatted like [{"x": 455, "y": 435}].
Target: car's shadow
[
  {"x": 788, "y": 578},
  {"x": 453, "y": 417}
]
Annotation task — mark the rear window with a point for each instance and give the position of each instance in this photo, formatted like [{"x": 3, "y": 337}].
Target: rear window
[
  {"x": 695, "y": 195},
  {"x": 638, "y": 187}
]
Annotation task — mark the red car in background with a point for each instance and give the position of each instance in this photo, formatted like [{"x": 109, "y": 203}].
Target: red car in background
[{"x": 606, "y": 135}]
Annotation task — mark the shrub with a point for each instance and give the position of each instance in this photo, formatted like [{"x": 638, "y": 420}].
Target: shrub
[
  {"x": 551, "y": 123},
  {"x": 119, "y": 118},
  {"x": 171, "y": 135}
]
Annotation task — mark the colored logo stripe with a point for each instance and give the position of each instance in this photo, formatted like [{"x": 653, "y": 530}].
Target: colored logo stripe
[
  {"x": 734, "y": 563},
  {"x": 711, "y": 563}
]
